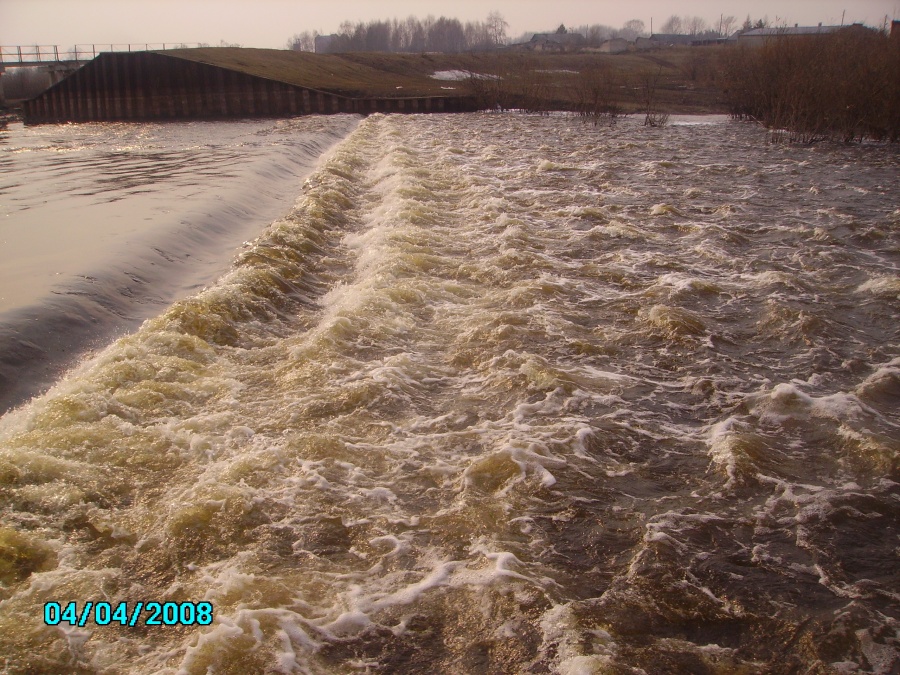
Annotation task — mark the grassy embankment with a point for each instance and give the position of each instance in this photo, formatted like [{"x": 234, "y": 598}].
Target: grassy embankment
[
  {"x": 677, "y": 80},
  {"x": 841, "y": 86},
  {"x": 682, "y": 80}
]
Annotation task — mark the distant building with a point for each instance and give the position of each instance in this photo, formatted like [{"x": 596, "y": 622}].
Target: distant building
[
  {"x": 671, "y": 39},
  {"x": 658, "y": 40},
  {"x": 555, "y": 42},
  {"x": 615, "y": 46},
  {"x": 759, "y": 36},
  {"x": 323, "y": 43},
  {"x": 643, "y": 43},
  {"x": 895, "y": 30}
]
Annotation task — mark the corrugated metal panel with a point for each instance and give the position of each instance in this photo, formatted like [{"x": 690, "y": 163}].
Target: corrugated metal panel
[{"x": 153, "y": 86}]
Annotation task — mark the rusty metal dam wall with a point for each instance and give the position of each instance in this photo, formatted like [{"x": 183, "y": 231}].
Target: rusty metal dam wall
[{"x": 154, "y": 86}]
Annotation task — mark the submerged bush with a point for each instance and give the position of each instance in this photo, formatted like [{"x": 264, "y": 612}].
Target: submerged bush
[{"x": 841, "y": 85}]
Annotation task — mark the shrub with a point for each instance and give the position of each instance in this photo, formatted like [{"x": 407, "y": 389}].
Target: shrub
[
  {"x": 595, "y": 94},
  {"x": 841, "y": 86}
]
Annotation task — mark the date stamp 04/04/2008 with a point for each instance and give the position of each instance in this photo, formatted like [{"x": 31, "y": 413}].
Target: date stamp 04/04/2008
[{"x": 129, "y": 614}]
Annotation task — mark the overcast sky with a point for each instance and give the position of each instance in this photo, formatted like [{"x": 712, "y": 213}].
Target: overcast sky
[{"x": 270, "y": 23}]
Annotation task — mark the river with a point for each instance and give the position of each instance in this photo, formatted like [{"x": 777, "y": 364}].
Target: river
[
  {"x": 498, "y": 393},
  {"x": 104, "y": 225}
]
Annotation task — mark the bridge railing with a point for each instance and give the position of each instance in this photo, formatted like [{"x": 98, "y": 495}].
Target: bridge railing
[{"x": 34, "y": 54}]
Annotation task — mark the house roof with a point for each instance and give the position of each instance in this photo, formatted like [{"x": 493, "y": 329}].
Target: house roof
[
  {"x": 561, "y": 38},
  {"x": 791, "y": 30},
  {"x": 673, "y": 38}
]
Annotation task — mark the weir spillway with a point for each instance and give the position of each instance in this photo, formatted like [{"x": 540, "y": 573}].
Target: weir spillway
[{"x": 171, "y": 86}]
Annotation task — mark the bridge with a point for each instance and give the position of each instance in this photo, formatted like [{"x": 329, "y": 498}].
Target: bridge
[
  {"x": 61, "y": 62},
  {"x": 38, "y": 55}
]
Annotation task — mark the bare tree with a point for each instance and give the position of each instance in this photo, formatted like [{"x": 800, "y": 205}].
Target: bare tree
[
  {"x": 496, "y": 28},
  {"x": 303, "y": 42},
  {"x": 378, "y": 36},
  {"x": 694, "y": 25},
  {"x": 418, "y": 34},
  {"x": 595, "y": 94},
  {"x": 534, "y": 90},
  {"x": 631, "y": 29},
  {"x": 596, "y": 34},
  {"x": 673, "y": 26},
  {"x": 358, "y": 39},
  {"x": 726, "y": 25},
  {"x": 490, "y": 91},
  {"x": 399, "y": 36},
  {"x": 649, "y": 84},
  {"x": 446, "y": 35},
  {"x": 410, "y": 35}
]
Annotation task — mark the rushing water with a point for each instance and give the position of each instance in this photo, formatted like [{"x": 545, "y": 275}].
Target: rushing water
[
  {"x": 104, "y": 225},
  {"x": 501, "y": 394}
]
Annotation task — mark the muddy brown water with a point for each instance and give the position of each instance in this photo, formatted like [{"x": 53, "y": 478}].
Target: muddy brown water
[{"x": 500, "y": 394}]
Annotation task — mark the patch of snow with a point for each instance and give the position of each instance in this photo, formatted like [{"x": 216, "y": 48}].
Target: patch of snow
[{"x": 457, "y": 75}]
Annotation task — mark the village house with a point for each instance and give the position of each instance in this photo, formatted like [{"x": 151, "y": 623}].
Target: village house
[
  {"x": 555, "y": 42},
  {"x": 614, "y": 46},
  {"x": 759, "y": 36},
  {"x": 323, "y": 43}
]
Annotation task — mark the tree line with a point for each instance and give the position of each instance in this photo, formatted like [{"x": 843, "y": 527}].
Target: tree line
[
  {"x": 410, "y": 35},
  {"x": 449, "y": 35},
  {"x": 698, "y": 27},
  {"x": 595, "y": 34}
]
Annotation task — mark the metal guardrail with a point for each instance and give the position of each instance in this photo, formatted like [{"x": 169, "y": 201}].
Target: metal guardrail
[{"x": 22, "y": 55}]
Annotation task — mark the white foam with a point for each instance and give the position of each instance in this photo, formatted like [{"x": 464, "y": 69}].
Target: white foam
[
  {"x": 721, "y": 450},
  {"x": 881, "y": 286},
  {"x": 438, "y": 577},
  {"x": 481, "y": 375}
]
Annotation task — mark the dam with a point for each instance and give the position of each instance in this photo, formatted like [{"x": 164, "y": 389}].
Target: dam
[{"x": 229, "y": 82}]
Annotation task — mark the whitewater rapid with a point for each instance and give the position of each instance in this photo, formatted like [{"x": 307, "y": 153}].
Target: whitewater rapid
[{"x": 501, "y": 393}]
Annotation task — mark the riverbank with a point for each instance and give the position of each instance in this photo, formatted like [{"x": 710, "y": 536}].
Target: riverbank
[
  {"x": 236, "y": 82},
  {"x": 684, "y": 79}
]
